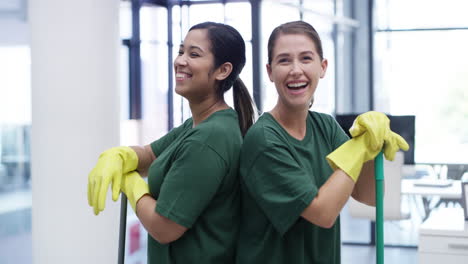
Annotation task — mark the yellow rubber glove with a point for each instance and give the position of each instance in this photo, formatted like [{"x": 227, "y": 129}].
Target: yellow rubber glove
[
  {"x": 355, "y": 152},
  {"x": 376, "y": 124},
  {"x": 111, "y": 166},
  {"x": 134, "y": 187},
  {"x": 378, "y": 127},
  {"x": 394, "y": 142},
  {"x": 350, "y": 156}
]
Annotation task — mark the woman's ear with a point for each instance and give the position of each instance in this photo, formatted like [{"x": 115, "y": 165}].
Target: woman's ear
[
  {"x": 324, "y": 66},
  {"x": 268, "y": 68},
  {"x": 223, "y": 71}
]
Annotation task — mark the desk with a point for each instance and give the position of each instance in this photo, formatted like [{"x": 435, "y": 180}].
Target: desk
[
  {"x": 443, "y": 238},
  {"x": 453, "y": 191}
]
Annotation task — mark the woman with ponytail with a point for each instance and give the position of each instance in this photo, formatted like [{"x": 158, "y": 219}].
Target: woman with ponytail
[{"x": 191, "y": 203}]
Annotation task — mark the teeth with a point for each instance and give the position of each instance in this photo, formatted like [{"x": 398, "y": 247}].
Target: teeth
[
  {"x": 296, "y": 85},
  {"x": 181, "y": 75}
]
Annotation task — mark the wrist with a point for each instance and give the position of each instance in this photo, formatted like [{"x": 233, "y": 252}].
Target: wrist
[{"x": 142, "y": 203}]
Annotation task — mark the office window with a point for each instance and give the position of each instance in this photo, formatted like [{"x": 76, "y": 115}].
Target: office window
[
  {"x": 270, "y": 20},
  {"x": 325, "y": 94},
  {"x": 321, "y": 15},
  {"x": 417, "y": 14},
  {"x": 238, "y": 16},
  {"x": 198, "y": 13},
  {"x": 154, "y": 72},
  {"x": 15, "y": 134},
  {"x": 425, "y": 73}
]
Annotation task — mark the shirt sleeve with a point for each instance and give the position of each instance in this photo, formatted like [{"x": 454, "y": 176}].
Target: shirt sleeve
[
  {"x": 280, "y": 186},
  {"x": 191, "y": 183},
  {"x": 158, "y": 146}
]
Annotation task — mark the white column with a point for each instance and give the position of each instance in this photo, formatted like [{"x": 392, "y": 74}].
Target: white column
[{"x": 75, "y": 116}]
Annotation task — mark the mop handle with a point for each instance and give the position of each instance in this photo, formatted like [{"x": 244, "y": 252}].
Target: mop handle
[
  {"x": 379, "y": 234},
  {"x": 122, "y": 229}
]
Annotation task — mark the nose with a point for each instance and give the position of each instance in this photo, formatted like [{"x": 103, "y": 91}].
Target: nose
[
  {"x": 295, "y": 68},
  {"x": 180, "y": 61}
]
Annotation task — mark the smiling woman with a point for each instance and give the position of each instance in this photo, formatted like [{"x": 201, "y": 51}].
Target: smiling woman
[
  {"x": 291, "y": 196},
  {"x": 191, "y": 201}
]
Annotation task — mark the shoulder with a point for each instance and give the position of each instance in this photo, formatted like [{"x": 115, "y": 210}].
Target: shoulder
[
  {"x": 220, "y": 132},
  {"x": 323, "y": 121},
  {"x": 265, "y": 134},
  {"x": 321, "y": 118},
  {"x": 328, "y": 127},
  {"x": 222, "y": 124}
]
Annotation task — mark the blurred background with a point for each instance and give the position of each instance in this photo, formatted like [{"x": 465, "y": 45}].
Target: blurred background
[{"x": 405, "y": 58}]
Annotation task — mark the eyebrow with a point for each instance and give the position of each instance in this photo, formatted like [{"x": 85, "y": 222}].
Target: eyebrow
[
  {"x": 181, "y": 46},
  {"x": 285, "y": 55},
  {"x": 302, "y": 53}
]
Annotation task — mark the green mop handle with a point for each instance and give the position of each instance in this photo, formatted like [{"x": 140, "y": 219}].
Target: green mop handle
[{"x": 379, "y": 234}]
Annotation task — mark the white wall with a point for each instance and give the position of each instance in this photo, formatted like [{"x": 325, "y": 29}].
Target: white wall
[{"x": 75, "y": 116}]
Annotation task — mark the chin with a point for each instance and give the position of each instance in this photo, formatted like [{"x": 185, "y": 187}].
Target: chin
[{"x": 179, "y": 91}]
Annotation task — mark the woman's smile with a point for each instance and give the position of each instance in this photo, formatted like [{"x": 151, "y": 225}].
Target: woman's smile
[{"x": 297, "y": 87}]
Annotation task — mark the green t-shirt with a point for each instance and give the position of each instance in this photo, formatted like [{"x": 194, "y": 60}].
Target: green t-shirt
[
  {"x": 280, "y": 176},
  {"x": 195, "y": 182}
]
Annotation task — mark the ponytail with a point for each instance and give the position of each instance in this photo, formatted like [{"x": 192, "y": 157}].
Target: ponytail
[{"x": 244, "y": 105}]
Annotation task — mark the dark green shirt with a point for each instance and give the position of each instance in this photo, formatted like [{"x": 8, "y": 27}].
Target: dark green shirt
[
  {"x": 195, "y": 182},
  {"x": 280, "y": 176}
]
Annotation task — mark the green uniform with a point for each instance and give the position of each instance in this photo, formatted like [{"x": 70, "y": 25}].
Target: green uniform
[
  {"x": 195, "y": 182},
  {"x": 280, "y": 176}
]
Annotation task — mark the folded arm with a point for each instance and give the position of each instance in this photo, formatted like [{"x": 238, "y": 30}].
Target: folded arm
[
  {"x": 146, "y": 156},
  {"x": 159, "y": 227}
]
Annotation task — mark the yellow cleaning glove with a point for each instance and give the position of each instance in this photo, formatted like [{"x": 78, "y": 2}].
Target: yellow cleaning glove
[
  {"x": 350, "y": 156},
  {"x": 371, "y": 132},
  {"x": 378, "y": 127},
  {"x": 134, "y": 188},
  {"x": 111, "y": 166},
  {"x": 392, "y": 143},
  {"x": 376, "y": 124}
]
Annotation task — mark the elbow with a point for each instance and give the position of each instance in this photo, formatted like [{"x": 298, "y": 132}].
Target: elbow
[
  {"x": 319, "y": 215},
  {"x": 324, "y": 221},
  {"x": 163, "y": 239},
  {"x": 164, "y": 231},
  {"x": 327, "y": 222},
  {"x": 370, "y": 201}
]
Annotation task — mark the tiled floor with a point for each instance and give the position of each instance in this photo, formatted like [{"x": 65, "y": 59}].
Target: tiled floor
[
  {"x": 367, "y": 254},
  {"x": 16, "y": 249},
  {"x": 15, "y": 237}
]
